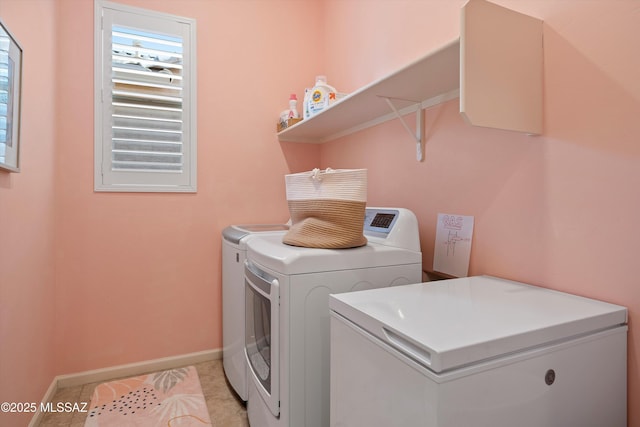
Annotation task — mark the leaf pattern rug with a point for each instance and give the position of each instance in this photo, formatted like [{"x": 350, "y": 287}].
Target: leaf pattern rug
[{"x": 170, "y": 398}]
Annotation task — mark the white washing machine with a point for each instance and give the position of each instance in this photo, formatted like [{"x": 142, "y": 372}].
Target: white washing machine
[
  {"x": 234, "y": 253},
  {"x": 478, "y": 351},
  {"x": 287, "y": 294}
]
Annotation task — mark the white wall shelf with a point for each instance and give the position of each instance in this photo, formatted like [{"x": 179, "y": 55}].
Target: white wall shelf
[{"x": 495, "y": 68}]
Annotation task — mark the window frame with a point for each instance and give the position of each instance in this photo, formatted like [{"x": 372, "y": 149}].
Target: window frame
[{"x": 106, "y": 179}]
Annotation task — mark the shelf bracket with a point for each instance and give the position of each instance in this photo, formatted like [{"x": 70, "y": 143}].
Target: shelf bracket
[{"x": 418, "y": 135}]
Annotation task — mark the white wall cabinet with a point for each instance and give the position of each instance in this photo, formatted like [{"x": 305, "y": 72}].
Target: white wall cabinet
[{"x": 495, "y": 68}]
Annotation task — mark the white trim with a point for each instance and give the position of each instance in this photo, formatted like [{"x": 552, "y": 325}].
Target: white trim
[
  {"x": 139, "y": 368},
  {"x": 120, "y": 371},
  {"x": 48, "y": 396},
  {"x": 144, "y": 181}
]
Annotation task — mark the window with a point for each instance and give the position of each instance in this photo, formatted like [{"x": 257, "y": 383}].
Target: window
[{"x": 145, "y": 104}]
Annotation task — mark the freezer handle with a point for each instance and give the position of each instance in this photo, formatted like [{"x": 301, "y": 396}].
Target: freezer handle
[{"x": 409, "y": 349}]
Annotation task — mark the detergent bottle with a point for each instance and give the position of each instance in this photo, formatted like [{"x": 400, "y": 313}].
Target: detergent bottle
[{"x": 319, "y": 98}]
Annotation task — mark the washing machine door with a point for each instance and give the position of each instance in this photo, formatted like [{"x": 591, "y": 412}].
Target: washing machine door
[{"x": 261, "y": 334}]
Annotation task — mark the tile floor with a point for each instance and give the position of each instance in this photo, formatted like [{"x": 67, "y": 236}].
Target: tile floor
[{"x": 225, "y": 408}]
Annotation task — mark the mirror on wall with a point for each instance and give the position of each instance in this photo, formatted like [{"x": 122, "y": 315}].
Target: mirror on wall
[{"x": 10, "y": 84}]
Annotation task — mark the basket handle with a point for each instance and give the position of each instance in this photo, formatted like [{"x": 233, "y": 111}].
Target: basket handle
[{"x": 315, "y": 173}]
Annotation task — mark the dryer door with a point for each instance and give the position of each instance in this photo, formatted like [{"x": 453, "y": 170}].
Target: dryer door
[{"x": 261, "y": 334}]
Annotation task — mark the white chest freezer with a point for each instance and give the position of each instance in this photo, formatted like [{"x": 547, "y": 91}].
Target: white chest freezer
[{"x": 477, "y": 351}]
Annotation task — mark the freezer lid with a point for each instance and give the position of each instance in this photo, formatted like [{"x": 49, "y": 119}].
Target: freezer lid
[{"x": 448, "y": 324}]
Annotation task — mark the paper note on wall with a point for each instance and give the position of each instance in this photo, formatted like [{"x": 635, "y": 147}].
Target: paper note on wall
[{"x": 453, "y": 244}]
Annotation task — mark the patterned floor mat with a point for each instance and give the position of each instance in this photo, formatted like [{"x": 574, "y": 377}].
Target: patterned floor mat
[{"x": 170, "y": 398}]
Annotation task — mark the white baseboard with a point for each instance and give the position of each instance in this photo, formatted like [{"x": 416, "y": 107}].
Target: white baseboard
[
  {"x": 120, "y": 371},
  {"x": 139, "y": 368},
  {"x": 48, "y": 396}
]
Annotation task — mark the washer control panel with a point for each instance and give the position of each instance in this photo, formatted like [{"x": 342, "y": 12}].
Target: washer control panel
[
  {"x": 392, "y": 227},
  {"x": 380, "y": 220}
]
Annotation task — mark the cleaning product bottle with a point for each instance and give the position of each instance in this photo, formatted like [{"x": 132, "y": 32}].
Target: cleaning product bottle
[
  {"x": 291, "y": 113},
  {"x": 293, "y": 107},
  {"x": 320, "y": 97}
]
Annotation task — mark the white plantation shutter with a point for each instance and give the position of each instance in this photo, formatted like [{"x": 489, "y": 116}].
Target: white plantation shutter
[
  {"x": 146, "y": 99},
  {"x": 145, "y": 140}
]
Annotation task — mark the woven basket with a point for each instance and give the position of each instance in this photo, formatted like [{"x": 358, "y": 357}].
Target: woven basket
[{"x": 327, "y": 208}]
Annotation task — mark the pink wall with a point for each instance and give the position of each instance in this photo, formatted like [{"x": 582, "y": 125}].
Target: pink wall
[
  {"x": 132, "y": 277},
  {"x": 556, "y": 210},
  {"x": 27, "y": 232},
  {"x": 90, "y": 280},
  {"x": 138, "y": 275}
]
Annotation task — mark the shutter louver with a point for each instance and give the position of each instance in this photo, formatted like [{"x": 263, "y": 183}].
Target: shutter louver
[{"x": 147, "y": 101}]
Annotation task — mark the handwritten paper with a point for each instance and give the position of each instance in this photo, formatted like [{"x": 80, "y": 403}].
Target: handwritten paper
[{"x": 453, "y": 244}]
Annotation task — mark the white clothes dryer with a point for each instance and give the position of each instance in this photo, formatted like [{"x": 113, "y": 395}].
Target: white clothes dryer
[
  {"x": 234, "y": 253},
  {"x": 287, "y": 312},
  {"x": 477, "y": 351}
]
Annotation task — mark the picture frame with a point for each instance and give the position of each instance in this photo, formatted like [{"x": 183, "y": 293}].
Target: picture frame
[{"x": 10, "y": 91}]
